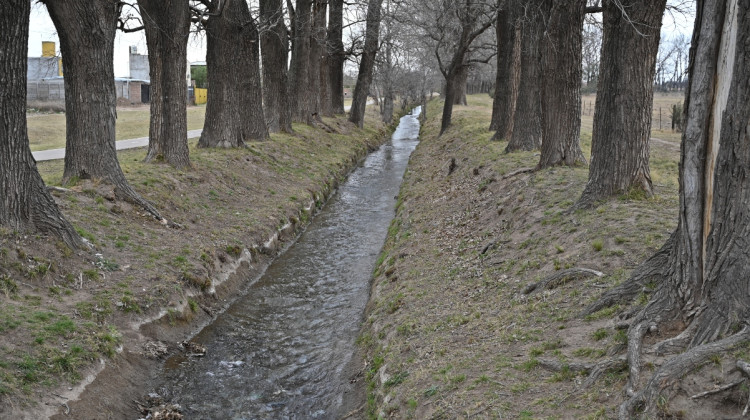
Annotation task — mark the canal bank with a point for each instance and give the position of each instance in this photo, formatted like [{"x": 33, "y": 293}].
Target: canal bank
[
  {"x": 454, "y": 328},
  {"x": 286, "y": 349},
  {"x": 144, "y": 288}
]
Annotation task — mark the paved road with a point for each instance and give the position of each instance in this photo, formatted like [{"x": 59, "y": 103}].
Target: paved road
[{"x": 53, "y": 154}]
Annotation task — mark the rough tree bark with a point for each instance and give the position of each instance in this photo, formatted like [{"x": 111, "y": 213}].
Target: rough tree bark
[
  {"x": 25, "y": 204},
  {"x": 704, "y": 281},
  {"x": 364, "y": 78},
  {"x": 87, "y": 34},
  {"x": 561, "y": 84},
  {"x": 317, "y": 50},
  {"x": 274, "y": 44},
  {"x": 336, "y": 55},
  {"x": 299, "y": 73},
  {"x": 167, "y": 26},
  {"x": 461, "y": 80},
  {"x": 234, "y": 114},
  {"x": 527, "y": 119},
  {"x": 622, "y": 120}
]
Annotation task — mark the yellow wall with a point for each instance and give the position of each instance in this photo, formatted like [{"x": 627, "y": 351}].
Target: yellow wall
[
  {"x": 59, "y": 67},
  {"x": 201, "y": 95},
  {"x": 48, "y": 49}
]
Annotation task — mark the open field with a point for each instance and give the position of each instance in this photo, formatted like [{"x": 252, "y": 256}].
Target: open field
[
  {"x": 662, "y": 111},
  {"x": 47, "y": 131}
]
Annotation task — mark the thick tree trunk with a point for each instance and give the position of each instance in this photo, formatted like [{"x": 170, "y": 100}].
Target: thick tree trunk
[
  {"x": 317, "y": 50},
  {"x": 561, "y": 84},
  {"x": 167, "y": 25},
  {"x": 87, "y": 33},
  {"x": 461, "y": 86},
  {"x": 234, "y": 114},
  {"x": 450, "y": 100},
  {"x": 25, "y": 204},
  {"x": 274, "y": 46},
  {"x": 527, "y": 119},
  {"x": 299, "y": 74},
  {"x": 622, "y": 120},
  {"x": 364, "y": 78},
  {"x": 505, "y": 35},
  {"x": 704, "y": 284},
  {"x": 336, "y": 55},
  {"x": 326, "y": 107}
]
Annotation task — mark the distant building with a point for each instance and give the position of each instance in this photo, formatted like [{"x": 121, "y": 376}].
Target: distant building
[
  {"x": 44, "y": 80},
  {"x": 44, "y": 75}
]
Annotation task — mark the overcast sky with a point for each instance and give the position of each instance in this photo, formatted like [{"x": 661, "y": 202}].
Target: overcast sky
[{"x": 42, "y": 29}]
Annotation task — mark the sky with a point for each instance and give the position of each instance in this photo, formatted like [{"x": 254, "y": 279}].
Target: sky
[{"x": 42, "y": 29}]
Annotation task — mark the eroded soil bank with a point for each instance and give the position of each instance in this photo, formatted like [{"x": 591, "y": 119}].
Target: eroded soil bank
[
  {"x": 109, "y": 317},
  {"x": 450, "y": 332}
]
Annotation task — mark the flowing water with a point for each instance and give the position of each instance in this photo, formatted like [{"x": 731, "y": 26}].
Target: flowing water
[{"x": 281, "y": 350}]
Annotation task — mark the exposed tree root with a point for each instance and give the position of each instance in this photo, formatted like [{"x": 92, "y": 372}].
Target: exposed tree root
[
  {"x": 518, "y": 172},
  {"x": 717, "y": 390},
  {"x": 595, "y": 370},
  {"x": 560, "y": 278},
  {"x": 671, "y": 371},
  {"x": 676, "y": 344},
  {"x": 653, "y": 269}
]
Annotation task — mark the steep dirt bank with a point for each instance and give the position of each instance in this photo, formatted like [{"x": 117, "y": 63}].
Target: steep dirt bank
[
  {"x": 450, "y": 331},
  {"x": 108, "y": 317}
]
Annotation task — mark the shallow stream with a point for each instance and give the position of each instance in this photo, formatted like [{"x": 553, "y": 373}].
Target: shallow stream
[{"x": 281, "y": 351}]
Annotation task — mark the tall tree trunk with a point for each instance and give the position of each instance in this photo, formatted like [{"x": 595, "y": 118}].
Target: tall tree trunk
[
  {"x": 364, "y": 78},
  {"x": 299, "y": 75},
  {"x": 326, "y": 106},
  {"x": 25, "y": 204},
  {"x": 450, "y": 100},
  {"x": 317, "y": 49},
  {"x": 527, "y": 124},
  {"x": 234, "y": 114},
  {"x": 622, "y": 120},
  {"x": 336, "y": 56},
  {"x": 561, "y": 84},
  {"x": 704, "y": 281},
  {"x": 461, "y": 85},
  {"x": 167, "y": 25},
  {"x": 87, "y": 34},
  {"x": 274, "y": 47}
]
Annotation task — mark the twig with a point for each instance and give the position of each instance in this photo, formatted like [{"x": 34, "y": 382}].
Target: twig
[
  {"x": 717, "y": 390},
  {"x": 67, "y": 409}
]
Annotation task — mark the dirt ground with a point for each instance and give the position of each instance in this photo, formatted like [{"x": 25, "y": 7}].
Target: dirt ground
[
  {"x": 108, "y": 317},
  {"x": 450, "y": 332}
]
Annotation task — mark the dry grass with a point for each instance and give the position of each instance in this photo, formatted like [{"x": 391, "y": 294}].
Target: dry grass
[
  {"x": 47, "y": 131},
  {"x": 62, "y": 310},
  {"x": 662, "y": 110},
  {"x": 448, "y": 321}
]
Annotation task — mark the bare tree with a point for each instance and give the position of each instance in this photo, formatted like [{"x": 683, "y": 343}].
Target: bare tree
[
  {"x": 452, "y": 26},
  {"x": 561, "y": 84},
  {"x": 336, "y": 55},
  {"x": 299, "y": 72},
  {"x": 701, "y": 272},
  {"x": 234, "y": 111},
  {"x": 25, "y": 204},
  {"x": 622, "y": 121},
  {"x": 274, "y": 40},
  {"x": 527, "y": 124},
  {"x": 364, "y": 78},
  {"x": 167, "y": 25},
  {"x": 87, "y": 33},
  {"x": 591, "y": 52}
]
